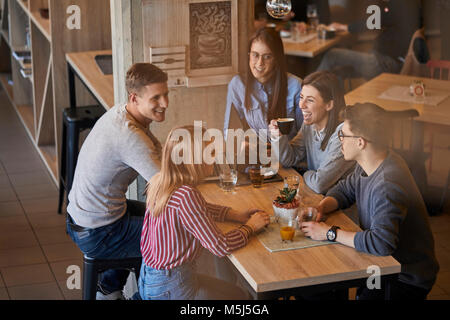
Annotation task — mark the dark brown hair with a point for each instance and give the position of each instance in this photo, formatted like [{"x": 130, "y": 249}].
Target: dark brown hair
[
  {"x": 143, "y": 74},
  {"x": 371, "y": 122},
  {"x": 330, "y": 89},
  {"x": 277, "y": 105}
]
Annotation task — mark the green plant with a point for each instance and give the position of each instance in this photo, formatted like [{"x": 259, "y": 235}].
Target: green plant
[{"x": 286, "y": 196}]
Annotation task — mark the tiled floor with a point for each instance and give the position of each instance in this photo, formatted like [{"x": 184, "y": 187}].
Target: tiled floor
[{"x": 35, "y": 251}]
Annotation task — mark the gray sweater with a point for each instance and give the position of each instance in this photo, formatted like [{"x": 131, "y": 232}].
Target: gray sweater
[
  {"x": 116, "y": 150},
  {"x": 325, "y": 168},
  {"x": 393, "y": 218}
]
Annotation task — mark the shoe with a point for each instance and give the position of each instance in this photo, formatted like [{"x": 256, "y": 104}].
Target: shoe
[
  {"x": 102, "y": 295},
  {"x": 116, "y": 295}
]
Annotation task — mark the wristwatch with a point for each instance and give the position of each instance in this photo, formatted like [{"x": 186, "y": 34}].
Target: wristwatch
[{"x": 332, "y": 233}]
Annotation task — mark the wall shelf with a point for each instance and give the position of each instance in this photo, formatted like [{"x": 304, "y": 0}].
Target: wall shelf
[
  {"x": 5, "y": 36},
  {"x": 4, "y": 77},
  {"x": 26, "y": 114},
  {"x": 42, "y": 24},
  {"x": 40, "y": 98}
]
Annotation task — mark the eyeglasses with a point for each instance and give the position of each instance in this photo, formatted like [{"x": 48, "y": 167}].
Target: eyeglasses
[
  {"x": 255, "y": 56},
  {"x": 341, "y": 136}
]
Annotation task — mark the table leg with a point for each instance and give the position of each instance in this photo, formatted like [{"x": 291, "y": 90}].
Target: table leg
[
  {"x": 72, "y": 93},
  {"x": 417, "y": 138}
]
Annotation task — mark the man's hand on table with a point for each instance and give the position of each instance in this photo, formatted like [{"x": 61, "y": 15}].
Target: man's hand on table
[
  {"x": 318, "y": 230},
  {"x": 315, "y": 230}
]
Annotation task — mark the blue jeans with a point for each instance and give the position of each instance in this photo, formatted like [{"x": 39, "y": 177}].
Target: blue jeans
[
  {"x": 184, "y": 283},
  {"x": 365, "y": 65},
  {"x": 120, "y": 239}
]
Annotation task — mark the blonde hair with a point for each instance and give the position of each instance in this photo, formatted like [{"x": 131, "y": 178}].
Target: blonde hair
[{"x": 172, "y": 175}]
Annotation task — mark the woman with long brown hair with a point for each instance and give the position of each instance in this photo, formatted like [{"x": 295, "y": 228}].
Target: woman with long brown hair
[
  {"x": 317, "y": 142},
  {"x": 179, "y": 222},
  {"x": 266, "y": 91}
]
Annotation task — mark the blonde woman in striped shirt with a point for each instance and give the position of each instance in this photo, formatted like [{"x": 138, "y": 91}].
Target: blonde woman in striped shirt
[{"x": 179, "y": 222}]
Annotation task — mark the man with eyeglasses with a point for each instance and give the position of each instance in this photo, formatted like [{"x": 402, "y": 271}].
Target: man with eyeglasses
[{"x": 392, "y": 213}]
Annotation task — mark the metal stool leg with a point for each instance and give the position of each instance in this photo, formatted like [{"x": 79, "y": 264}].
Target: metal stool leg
[
  {"x": 62, "y": 168},
  {"x": 72, "y": 154},
  {"x": 90, "y": 278}
]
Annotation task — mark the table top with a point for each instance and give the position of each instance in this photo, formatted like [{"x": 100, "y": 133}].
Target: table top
[
  {"x": 101, "y": 86},
  {"x": 266, "y": 271},
  {"x": 312, "y": 48},
  {"x": 371, "y": 90}
]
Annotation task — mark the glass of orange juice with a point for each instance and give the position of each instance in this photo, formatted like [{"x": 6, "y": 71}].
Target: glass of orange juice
[{"x": 287, "y": 229}]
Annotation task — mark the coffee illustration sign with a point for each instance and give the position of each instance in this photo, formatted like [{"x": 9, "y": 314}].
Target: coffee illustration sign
[{"x": 210, "y": 35}]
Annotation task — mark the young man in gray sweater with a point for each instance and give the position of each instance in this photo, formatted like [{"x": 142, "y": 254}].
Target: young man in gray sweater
[
  {"x": 392, "y": 214},
  {"x": 101, "y": 221}
]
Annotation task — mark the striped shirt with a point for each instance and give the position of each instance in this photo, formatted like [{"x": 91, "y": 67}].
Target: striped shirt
[{"x": 186, "y": 224}]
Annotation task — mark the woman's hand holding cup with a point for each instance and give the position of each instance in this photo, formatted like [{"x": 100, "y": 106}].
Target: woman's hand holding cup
[{"x": 274, "y": 130}]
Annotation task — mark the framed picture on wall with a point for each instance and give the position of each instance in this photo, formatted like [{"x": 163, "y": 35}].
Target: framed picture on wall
[
  {"x": 204, "y": 32},
  {"x": 213, "y": 37}
]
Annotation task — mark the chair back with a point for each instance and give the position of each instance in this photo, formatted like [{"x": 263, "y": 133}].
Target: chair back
[
  {"x": 402, "y": 144},
  {"x": 402, "y": 122},
  {"x": 439, "y": 67}
]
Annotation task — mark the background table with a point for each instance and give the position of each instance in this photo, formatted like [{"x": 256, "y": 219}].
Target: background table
[
  {"x": 304, "y": 58},
  {"x": 314, "y": 47},
  {"x": 284, "y": 273},
  {"x": 371, "y": 90},
  {"x": 84, "y": 66}
]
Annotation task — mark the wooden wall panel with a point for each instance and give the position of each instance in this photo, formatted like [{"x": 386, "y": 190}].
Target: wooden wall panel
[{"x": 94, "y": 34}]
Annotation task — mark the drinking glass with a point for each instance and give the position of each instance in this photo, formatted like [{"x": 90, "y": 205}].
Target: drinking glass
[
  {"x": 287, "y": 229},
  {"x": 228, "y": 179},
  {"x": 256, "y": 176},
  {"x": 307, "y": 214},
  {"x": 313, "y": 17},
  {"x": 292, "y": 182}
]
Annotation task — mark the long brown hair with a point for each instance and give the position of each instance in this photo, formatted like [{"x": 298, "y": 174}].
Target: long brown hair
[
  {"x": 181, "y": 141},
  {"x": 277, "y": 105},
  {"x": 330, "y": 89}
]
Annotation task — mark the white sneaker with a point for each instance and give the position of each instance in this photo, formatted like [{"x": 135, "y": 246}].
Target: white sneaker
[{"x": 116, "y": 295}]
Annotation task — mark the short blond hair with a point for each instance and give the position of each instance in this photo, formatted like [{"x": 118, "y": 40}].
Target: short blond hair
[{"x": 141, "y": 75}]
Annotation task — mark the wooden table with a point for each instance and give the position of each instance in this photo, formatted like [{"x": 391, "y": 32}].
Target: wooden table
[
  {"x": 312, "y": 48},
  {"x": 84, "y": 66},
  {"x": 284, "y": 273},
  {"x": 370, "y": 91},
  {"x": 431, "y": 115}
]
